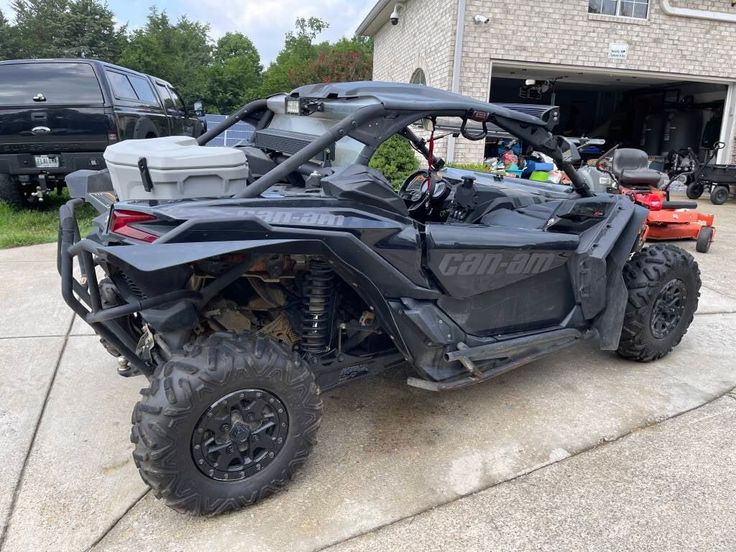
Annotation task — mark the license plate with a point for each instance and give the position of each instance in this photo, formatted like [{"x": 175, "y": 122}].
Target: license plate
[{"x": 47, "y": 162}]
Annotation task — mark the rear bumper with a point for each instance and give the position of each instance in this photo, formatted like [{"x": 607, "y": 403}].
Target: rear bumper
[
  {"x": 83, "y": 295},
  {"x": 24, "y": 163}
]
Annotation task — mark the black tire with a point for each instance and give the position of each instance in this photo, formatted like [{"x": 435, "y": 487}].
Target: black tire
[
  {"x": 719, "y": 195},
  {"x": 694, "y": 190},
  {"x": 655, "y": 277},
  {"x": 705, "y": 238},
  {"x": 172, "y": 414},
  {"x": 11, "y": 194}
]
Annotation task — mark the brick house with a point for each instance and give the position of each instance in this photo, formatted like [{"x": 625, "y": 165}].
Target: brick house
[{"x": 656, "y": 74}]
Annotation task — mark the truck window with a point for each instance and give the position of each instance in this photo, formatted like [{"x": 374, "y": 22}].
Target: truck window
[
  {"x": 49, "y": 84},
  {"x": 143, "y": 89},
  {"x": 121, "y": 87},
  {"x": 165, "y": 96},
  {"x": 178, "y": 104}
]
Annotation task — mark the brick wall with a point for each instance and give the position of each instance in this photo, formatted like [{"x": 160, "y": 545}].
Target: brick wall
[{"x": 556, "y": 32}]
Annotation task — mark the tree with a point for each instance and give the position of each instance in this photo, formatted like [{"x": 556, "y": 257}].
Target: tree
[
  {"x": 285, "y": 72},
  {"x": 180, "y": 53},
  {"x": 235, "y": 76},
  {"x": 67, "y": 28},
  {"x": 301, "y": 61},
  {"x": 9, "y": 44}
]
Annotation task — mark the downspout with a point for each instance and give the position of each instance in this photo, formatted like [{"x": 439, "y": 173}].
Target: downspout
[
  {"x": 709, "y": 15},
  {"x": 457, "y": 66}
]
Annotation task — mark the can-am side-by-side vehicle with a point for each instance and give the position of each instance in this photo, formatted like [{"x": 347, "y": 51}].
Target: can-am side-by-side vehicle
[{"x": 242, "y": 282}]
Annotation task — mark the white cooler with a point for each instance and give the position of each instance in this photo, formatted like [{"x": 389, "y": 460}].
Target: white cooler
[{"x": 178, "y": 168}]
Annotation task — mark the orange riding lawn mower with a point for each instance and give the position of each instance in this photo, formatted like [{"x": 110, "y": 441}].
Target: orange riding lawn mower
[{"x": 668, "y": 220}]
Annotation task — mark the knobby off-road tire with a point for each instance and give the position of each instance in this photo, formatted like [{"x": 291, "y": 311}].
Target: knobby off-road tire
[
  {"x": 664, "y": 288},
  {"x": 218, "y": 381},
  {"x": 10, "y": 193}
]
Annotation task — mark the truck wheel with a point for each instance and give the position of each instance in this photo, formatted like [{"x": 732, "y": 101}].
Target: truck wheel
[
  {"x": 664, "y": 287},
  {"x": 225, "y": 424},
  {"x": 719, "y": 195},
  {"x": 10, "y": 193},
  {"x": 694, "y": 190},
  {"x": 705, "y": 238}
]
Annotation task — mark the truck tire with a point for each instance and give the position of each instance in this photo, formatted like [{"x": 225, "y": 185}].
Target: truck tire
[
  {"x": 664, "y": 288},
  {"x": 225, "y": 424},
  {"x": 10, "y": 193}
]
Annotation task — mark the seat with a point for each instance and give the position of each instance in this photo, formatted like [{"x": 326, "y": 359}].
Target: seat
[{"x": 631, "y": 168}]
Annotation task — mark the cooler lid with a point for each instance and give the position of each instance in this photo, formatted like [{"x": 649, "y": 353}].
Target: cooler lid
[{"x": 173, "y": 153}]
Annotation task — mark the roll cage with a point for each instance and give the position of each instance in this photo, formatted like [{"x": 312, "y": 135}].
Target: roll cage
[{"x": 372, "y": 112}]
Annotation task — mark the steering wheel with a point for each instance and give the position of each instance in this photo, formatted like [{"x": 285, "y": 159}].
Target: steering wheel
[{"x": 416, "y": 190}]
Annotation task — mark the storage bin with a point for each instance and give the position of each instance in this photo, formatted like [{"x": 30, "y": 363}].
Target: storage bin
[{"x": 178, "y": 168}]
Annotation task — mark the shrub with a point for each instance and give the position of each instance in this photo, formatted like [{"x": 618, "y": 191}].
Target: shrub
[
  {"x": 470, "y": 166},
  {"x": 395, "y": 159}
]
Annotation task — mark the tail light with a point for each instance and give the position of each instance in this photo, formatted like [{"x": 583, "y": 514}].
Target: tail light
[{"x": 131, "y": 224}]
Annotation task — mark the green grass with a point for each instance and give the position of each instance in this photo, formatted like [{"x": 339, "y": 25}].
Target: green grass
[{"x": 38, "y": 224}]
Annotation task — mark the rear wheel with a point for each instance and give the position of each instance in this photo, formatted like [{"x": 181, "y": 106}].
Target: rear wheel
[
  {"x": 225, "y": 424},
  {"x": 694, "y": 190},
  {"x": 705, "y": 238},
  {"x": 719, "y": 195},
  {"x": 11, "y": 193},
  {"x": 664, "y": 287}
]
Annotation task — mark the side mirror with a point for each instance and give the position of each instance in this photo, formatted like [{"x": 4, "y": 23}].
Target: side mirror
[{"x": 199, "y": 109}]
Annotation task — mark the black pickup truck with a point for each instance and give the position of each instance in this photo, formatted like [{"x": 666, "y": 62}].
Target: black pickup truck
[{"x": 59, "y": 115}]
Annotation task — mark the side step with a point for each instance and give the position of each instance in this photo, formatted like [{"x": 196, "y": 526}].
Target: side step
[{"x": 527, "y": 347}]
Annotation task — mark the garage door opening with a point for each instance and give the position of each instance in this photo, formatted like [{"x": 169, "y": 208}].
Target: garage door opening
[{"x": 646, "y": 112}]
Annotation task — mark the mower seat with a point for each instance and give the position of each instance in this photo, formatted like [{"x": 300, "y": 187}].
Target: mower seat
[{"x": 631, "y": 168}]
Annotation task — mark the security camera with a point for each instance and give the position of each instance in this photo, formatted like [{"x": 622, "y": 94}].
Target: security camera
[
  {"x": 394, "y": 17},
  {"x": 481, "y": 19}
]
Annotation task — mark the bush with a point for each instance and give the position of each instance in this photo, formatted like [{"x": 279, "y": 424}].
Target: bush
[
  {"x": 395, "y": 159},
  {"x": 470, "y": 166}
]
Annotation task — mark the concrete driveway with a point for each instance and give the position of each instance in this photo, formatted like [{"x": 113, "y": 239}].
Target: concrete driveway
[{"x": 387, "y": 452}]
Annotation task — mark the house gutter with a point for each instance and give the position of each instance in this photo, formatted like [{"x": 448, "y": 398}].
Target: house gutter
[
  {"x": 457, "y": 66},
  {"x": 708, "y": 15}
]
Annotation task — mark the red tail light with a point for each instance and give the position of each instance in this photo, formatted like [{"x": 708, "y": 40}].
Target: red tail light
[{"x": 123, "y": 223}]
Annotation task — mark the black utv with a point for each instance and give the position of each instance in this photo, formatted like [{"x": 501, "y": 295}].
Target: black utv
[{"x": 303, "y": 269}]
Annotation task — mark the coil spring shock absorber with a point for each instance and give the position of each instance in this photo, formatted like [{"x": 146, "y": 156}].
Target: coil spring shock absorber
[{"x": 319, "y": 289}]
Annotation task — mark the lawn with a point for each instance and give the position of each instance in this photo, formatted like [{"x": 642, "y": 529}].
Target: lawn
[{"x": 38, "y": 225}]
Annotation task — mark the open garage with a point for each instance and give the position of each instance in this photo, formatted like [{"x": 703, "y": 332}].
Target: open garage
[{"x": 655, "y": 112}]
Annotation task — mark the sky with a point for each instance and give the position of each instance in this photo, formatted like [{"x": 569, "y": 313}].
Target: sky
[{"x": 264, "y": 21}]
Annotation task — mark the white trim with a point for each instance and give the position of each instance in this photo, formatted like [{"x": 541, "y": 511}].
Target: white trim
[
  {"x": 728, "y": 127},
  {"x": 457, "y": 61},
  {"x": 505, "y": 63},
  {"x": 709, "y": 15}
]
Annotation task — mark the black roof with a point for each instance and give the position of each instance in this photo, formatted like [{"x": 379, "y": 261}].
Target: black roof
[
  {"x": 418, "y": 97},
  {"x": 90, "y": 61}
]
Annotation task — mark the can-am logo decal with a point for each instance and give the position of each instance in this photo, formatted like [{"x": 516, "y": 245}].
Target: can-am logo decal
[
  {"x": 309, "y": 218},
  {"x": 477, "y": 264}
]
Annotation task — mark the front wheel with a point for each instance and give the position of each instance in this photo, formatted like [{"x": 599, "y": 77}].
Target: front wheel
[
  {"x": 694, "y": 190},
  {"x": 664, "y": 288},
  {"x": 225, "y": 424}
]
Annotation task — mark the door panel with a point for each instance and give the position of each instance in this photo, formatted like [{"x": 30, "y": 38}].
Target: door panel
[{"x": 501, "y": 279}]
